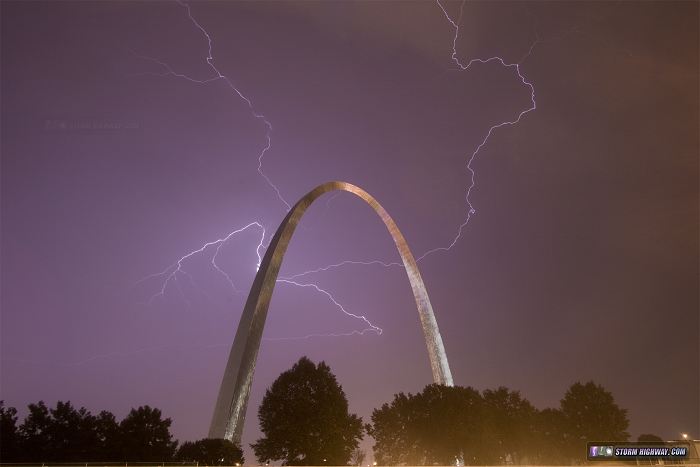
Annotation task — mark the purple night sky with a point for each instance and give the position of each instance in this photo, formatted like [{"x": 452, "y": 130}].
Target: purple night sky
[{"x": 581, "y": 262}]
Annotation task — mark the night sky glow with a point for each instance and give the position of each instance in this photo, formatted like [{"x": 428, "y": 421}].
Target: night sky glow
[{"x": 540, "y": 158}]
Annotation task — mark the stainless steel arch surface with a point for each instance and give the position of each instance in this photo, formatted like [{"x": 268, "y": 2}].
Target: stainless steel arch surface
[{"x": 231, "y": 404}]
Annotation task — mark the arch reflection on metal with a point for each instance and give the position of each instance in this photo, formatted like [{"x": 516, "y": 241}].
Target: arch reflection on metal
[{"x": 231, "y": 404}]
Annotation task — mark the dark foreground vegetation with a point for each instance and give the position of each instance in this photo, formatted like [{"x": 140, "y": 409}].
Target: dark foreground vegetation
[
  {"x": 442, "y": 424},
  {"x": 67, "y": 434},
  {"x": 305, "y": 420}
]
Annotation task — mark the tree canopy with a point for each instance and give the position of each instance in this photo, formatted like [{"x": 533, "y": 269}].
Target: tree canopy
[
  {"x": 67, "y": 434},
  {"x": 10, "y": 445},
  {"x": 305, "y": 420},
  {"x": 591, "y": 414},
  {"x": 145, "y": 436},
  {"x": 210, "y": 451},
  {"x": 434, "y": 426},
  {"x": 62, "y": 433},
  {"x": 441, "y": 425}
]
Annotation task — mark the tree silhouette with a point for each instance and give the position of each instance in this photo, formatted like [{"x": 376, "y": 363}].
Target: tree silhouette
[
  {"x": 66, "y": 434},
  {"x": 591, "y": 414},
  {"x": 210, "y": 451},
  {"x": 393, "y": 432},
  {"x": 436, "y": 426},
  {"x": 107, "y": 445},
  {"x": 35, "y": 430},
  {"x": 508, "y": 424},
  {"x": 145, "y": 436},
  {"x": 304, "y": 417},
  {"x": 442, "y": 424},
  {"x": 72, "y": 433},
  {"x": 60, "y": 434},
  {"x": 9, "y": 434},
  {"x": 446, "y": 420},
  {"x": 548, "y": 444}
]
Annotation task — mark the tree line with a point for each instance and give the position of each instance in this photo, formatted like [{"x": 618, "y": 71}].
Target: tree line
[
  {"x": 446, "y": 425},
  {"x": 67, "y": 434},
  {"x": 305, "y": 420}
]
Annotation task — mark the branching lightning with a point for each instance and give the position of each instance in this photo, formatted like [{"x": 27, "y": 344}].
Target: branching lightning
[
  {"x": 472, "y": 175},
  {"x": 471, "y": 210},
  {"x": 172, "y": 273},
  {"x": 175, "y": 270}
]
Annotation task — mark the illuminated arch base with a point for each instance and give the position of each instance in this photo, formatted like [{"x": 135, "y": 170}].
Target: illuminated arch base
[{"x": 229, "y": 413}]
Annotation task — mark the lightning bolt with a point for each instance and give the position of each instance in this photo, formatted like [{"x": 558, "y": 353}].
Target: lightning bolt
[
  {"x": 472, "y": 174},
  {"x": 342, "y": 264},
  {"x": 371, "y": 327},
  {"x": 259, "y": 116},
  {"x": 471, "y": 210},
  {"x": 176, "y": 270},
  {"x": 171, "y": 272}
]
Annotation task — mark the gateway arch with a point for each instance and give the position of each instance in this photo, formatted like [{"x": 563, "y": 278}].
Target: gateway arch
[{"x": 231, "y": 404}]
